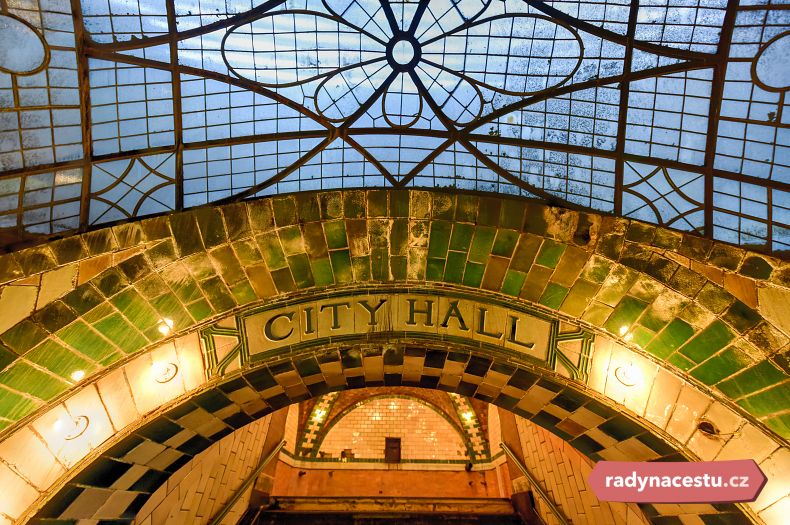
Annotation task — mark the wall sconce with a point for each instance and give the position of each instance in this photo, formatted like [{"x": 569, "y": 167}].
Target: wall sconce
[
  {"x": 77, "y": 375},
  {"x": 468, "y": 416},
  {"x": 73, "y": 428},
  {"x": 163, "y": 372},
  {"x": 629, "y": 375},
  {"x": 318, "y": 415}
]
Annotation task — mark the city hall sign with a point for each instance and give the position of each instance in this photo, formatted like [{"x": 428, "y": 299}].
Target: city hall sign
[{"x": 444, "y": 317}]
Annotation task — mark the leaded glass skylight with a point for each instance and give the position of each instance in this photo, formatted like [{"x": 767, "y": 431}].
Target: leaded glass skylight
[{"x": 665, "y": 111}]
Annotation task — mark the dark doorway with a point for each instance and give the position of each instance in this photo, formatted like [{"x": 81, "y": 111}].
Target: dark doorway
[{"x": 391, "y": 450}]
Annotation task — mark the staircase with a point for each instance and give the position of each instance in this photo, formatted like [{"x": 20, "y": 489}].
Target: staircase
[{"x": 384, "y": 511}]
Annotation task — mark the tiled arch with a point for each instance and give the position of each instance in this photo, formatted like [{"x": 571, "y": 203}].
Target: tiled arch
[
  {"x": 711, "y": 312},
  {"x": 115, "y": 483}
]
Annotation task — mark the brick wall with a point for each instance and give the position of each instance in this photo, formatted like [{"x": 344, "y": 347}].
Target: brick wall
[
  {"x": 202, "y": 487},
  {"x": 424, "y": 433},
  {"x": 563, "y": 471}
]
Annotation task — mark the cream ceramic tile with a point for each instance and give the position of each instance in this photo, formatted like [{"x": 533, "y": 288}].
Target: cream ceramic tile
[
  {"x": 116, "y": 396},
  {"x": 55, "y": 284},
  {"x": 777, "y": 469},
  {"x": 190, "y": 361},
  {"x": 148, "y": 393},
  {"x": 17, "y": 451},
  {"x": 23, "y": 493},
  {"x": 748, "y": 443},
  {"x": 691, "y": 404},
  {"x": 663, "y": 395},
  {"x": 777, "y": 513},
  {"x": 16, "y": 303},
  {"x": 86, "y": 402},
  {"x": 54, "y": 426},
  {"x": 599, "y": 364}
]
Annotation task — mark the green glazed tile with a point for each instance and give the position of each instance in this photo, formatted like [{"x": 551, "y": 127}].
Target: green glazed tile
[
  {"x": 271, "y": 250},
  {"x": 779, "y": 424},
  {"x": 741, "y": 317},
  {"x": 116, "y": 329},
  {"x": 152, "y": 286},
  {"x": 671, "y": 337},
  {"x": 59, "y": 360},
  {"x": 610, "y": 246},
  {"x": 435, "y": 269},
  {"x": 23, "y": 377},
  {"x": 200, "y": 310},
  {"x": 100, "y": 241},
  {"x": 714, "y": 298},
  {"x": 439, "y": 239},
  {"x": 225, "y": 261},
  {"x": 307, "y": 207},
  {"x": 721, "y": 366},
  {"x": 200, "y": 266},
  {"x": 550, "y": 253},
  {"x": 100, "y": 312},
  {"x": 707, "y": 342},
  {"x": 284, "y": 211},
  {"x": 687, "y": 282},
  {"x": 597, "y": 269},
  {"x": 619, "y": 281},
  {"x": 399, "y": 267},
  {"x": 579, "y": 297},
  {"x": 184, "y": 228},
  {"x": 69, "y": 250},
  {"x": 536, "y": 281},
  {"x": 724, "y": 256},
  {"x": 505, "y": 243},
  {"x": 695, "y": 246},
  {"x": 6, "y": 356},
  {"x": 596, "y": 313},
  {"x": 380, "y": 264},
  {"x": 341, "y": 266},
  {"x": 331, "y": 204},
  {"x": 454, "y": 270},
  {"x": 625, "y": 314},
  {"x": 156, "y": 228},
  {"x": 168, "y": 307},
  {"x": 247, "y": 252},
  {"x": 243, "y": 293},
  {"x": 162, "y": 254},
  {"x": 212, "y": 228},
  {"x": 218, "y": 294},
  {"x": 772, "y": 401},
  {"x": 482, "y": 242},
  {"x": 759, "y": 376},
  {"x": 23, "y": 336},
  {"x": 236, "y": 221},
  {"x": 641, "y": 336},
  {"x": 292, "y": 240},
  {"x": 680, "y": 362},
  {"x": 534, "y": 221},
  {"x": 462, "y": 237},
  {"x": 756, "y": 267},
  {"x": 399, "y": 203},
  {"x": 80, "y": 337},
  {"x": 495, "y": 273},
  {"x": 399, "y": 237},
  {"x": 314, "y": 240},
  {"x": 569, "y": 267},
  {"x": 553, "y": 295},
  {"x": 361, "y": 267},
  {"x": 473, "y": 274},
  {"x": 511, "y": 216},
  {"x": 182, "y": 283},
  {"x": 261, "y": 215},
  {"x": 335, "y": 232},
  {"x": 322, "y": 272},
  {"x": 354, "y": 204},
  {"x": 513, "y": 282},
  {"x": 110, "y": 282},
  {"x": 377, "y": 203},
  {"x": 135, "y": 309},
  {"x": 14, "y": 406},
  {"x": 526, "y": 250},
  {"x": 466, "y": 208},
  {"x": 135, "y": 267},
  {"x": 667, "y": 239},
  {"x": 488, "y": 212}
]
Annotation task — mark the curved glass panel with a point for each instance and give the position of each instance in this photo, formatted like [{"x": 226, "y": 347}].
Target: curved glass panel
[{"x": 672, "y": 114}]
